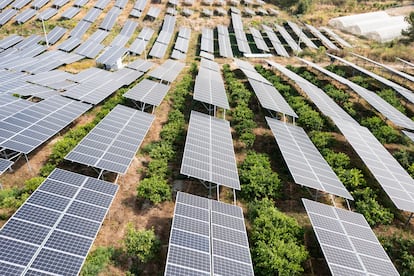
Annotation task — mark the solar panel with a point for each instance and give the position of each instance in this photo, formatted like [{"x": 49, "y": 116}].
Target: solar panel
[
  {"x": 270, "y": 98},
  {"x": 5, "y": 3},
  {"x": 5, "y": 165},
  {"x": 110, "y": 19},
  {"x": 80, "y": 29},
  {"x": 90, "y": 74},
  {"x": 395, "y": 181},
  {"x": 6, "y": 15},
  {"x": 25, "y": 16},
  {"x": 121, "y": 3},
  {"x": 326, "y": 41},
  {"x": 10, "y": 105},
  {"x": 70, "y": 44},
  {"x": 208, "y": 152},
  {"x": 348, "y": 243},
  {"x": 148, "y": 91},
  {"x": 241, "y": 39},
  {"x": 158, "y": 50},
  {"x": 50, "y": 78},
  {"x": 140, "y": 5},
  {"x": 390, "y": 112},
  {"x": 302, "y": 37},
  {"x": 288, "y": 38},
  {"x": 27, "y": 129},
  {"x": 71, "y": 12},
  {"x": 47, "y": 14},
  {"x": 207, "y": 40},
  {"x": 141, "y": 65},
  {"x": 38, "y": 4},
  {"x": 92, "y": 15},
  {"x": 80, "y": 3},
  {"x": 322, "y": 101},
  {"x": 18, "y": 4},
  {"x": 38, "y": 239},
  {"x": 168, "y": 71},
  {"x": 111, "y": 55},
  {"x": 224, "y": 42},
  {"x": 59, "y": 3},
  {"x": 304, "y": 161},
  {"x": 126, "y": 76},
  {"x": 112, "y": 144},
  {"x": 89, "y": 49},
  {"x": 258, "y": 39},
  {"x": 406, "y": 93},
  {"x": 209, "y": 64},
  {"x": 209, "y": 88},
  {"x": 93, "y": 91},
  {"x": 181, "y": 44},
  {"x": 9, "y": 41},
  {"x": 153, "y": 12},
  {"x": 102, "y": 4},
  {"x": 198, "y": 241},
  {"x": 336, "y": 37},
  {"x": 129, "y": 28}
]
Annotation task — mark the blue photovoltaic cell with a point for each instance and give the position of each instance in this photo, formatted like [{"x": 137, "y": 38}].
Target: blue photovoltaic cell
[
  {"x": 69, "y": 243},
  {"x": 48, "y": 200},
  {"x": 79, "y": 226},
  {"x": 86, "y": 211},
  {"x": 56, "y": 262},
  {"x": 44, "y": 241},
  {"x": 190, "y": 240},
  {"x": 25, "y": 231},
  {"x": 10, "y": 270},
  {"x": 16, "y": 252},
  {"x": 37, "y": 215},
  {"x": 173, "y": 270}
]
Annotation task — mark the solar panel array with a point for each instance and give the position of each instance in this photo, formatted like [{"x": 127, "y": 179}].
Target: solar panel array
[
  {"x": 336, "y": 37},
  {"x": 10, "y": 105},
  {"x": 28, "y": 128},
  {"x": 93, "y": 91},
  {"x": 168, "y": 71},
  {"x": 138, "y": 8},
  {"x": 402, "y": 90},
  {"x": 241, "y": 39},
  {"x": 161, "y": 44},
  {"x": 52, "y": 232},
  {"x": 112, "y": 144},
  {"x": 110, "y": 19},
  {"x": 258, "y": 39},
  {"x": 207, "y": 40},
  {"x": 207, "y": 238},
  {"x": 5, "y": 165},
  {"x": 140, "y": 43},
  {"x": 182, "y": 43},
  {"x": 111, "y": 56},
  {"x": 148, "y": 91},
  {"x": 323, "y": 102},
  {"x": 389, "y": 111},
  {"x": 326, "y": 41},
  {"x": 266, "y": 93},
  {"x": 140, "y": 65},
  {"x": 288, "y": 38},
  {"x": 302, "y": 37},
  {"x": 305, "y": 163},
  {"x": 209, "y": 88},
  {"x": 208, "y": 152},
  {"x": 395, "y": 181},
  {"x": 348, "y": 243},
  {"x": 224, "y": 42}
]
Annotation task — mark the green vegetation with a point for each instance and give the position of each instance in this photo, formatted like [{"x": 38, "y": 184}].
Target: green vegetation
[
  {"x": 242, "y": 116},
  {"x": 142, "y": 245},
  {"x": 400, "y": 249},
  {"x": 277, "y": 241},
  {"x": 97, "y": 260},
  {"x": 409, "y": 33},
  {"x": 155, "y": 186},
  {"x": 257, "y": 178}
]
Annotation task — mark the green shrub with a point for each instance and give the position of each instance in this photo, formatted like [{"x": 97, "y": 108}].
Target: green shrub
[
  {"x": 97, "y": 260},
  {"x": 257, "y": 178},
  {"x": 155, "y": 189},
  {"x": 321, "y": 139},
  {"x": 141, "y": 244},
  {"x": 366, "y": 204},
  {"x": 32, "y": 184}
]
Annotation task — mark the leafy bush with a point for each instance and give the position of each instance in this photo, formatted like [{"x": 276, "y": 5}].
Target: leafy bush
[
  {"x": 366, "y": 204},
  {"x": 277, "y": 241},
  {"x": 321, "y": 139},
  {"x": 97, "y": 260},
  {"x": 155, "y": 189},
  {"x": 32, "y": 184},
  {"x": 141, "y": 244},
  {"x": 383, "y": 132},
  {"x": 257, "y": 178},
  {"x": 389, "y": 96},
  {"x": 401, "y": 250},
  {"x": 339, "y": 96}
]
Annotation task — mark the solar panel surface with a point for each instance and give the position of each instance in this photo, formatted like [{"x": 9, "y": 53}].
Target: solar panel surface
[
  {"x": 148, "y": 91},
  {"x": 207, "y": 238},
  {"x": 53, "y": 231},
  {"x": 112, "y": 144},
  {"x": 208, "y": 152},
  {"x": 348, "y": 243},
  {"x": 305, "y": 163}
]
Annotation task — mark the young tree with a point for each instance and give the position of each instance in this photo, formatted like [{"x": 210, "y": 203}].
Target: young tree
[
  {"x": 142, "y": 244},
  {"x": 409, "y": 32}
]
